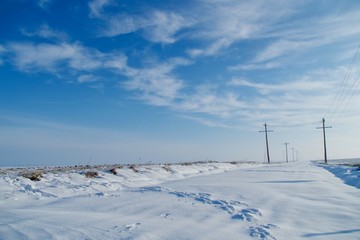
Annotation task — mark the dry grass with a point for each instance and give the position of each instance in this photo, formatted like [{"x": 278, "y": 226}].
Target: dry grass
[
  {"x": 32, "y": 175},
  {"x": 133, "y": 167},
  {"x": 113, "y": 171},
  {"x": 196, "y": 162},
  {"x": 91, "y": 174},
  {"x": 167, "y": 168},
  {"x": 234, "y": 162}
]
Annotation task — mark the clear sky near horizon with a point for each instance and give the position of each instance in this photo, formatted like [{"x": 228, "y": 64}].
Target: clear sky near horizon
[{"x": 106, "y": 81}]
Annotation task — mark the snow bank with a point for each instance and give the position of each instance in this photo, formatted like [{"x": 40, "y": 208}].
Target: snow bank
[
  {"x": 350, "y": 175},
  {"x": 99, "y": 180}
]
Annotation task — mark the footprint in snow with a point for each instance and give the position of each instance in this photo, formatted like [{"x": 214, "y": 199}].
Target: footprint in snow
[
  {"x": 247, "y": 214},
  {"x": 127, "y": 228},
  {"x": 165, "y": 215},
  {"x": 231, "y": 207},
  {"x": 261, "y": 232},
  {"x": 228, "y": 206}
]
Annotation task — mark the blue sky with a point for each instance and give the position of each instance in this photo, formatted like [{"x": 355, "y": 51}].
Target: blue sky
[{"x": 106, "y": 81}]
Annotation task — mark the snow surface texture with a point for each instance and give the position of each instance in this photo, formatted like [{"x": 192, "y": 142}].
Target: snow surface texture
[{"x": 298, "y": 200}]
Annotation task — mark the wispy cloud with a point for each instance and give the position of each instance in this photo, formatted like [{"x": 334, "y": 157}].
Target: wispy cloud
[
  {"x": 211, "y": 27},
  {"x": 255, "y": 66},
  {"x": 299, "y": 37},
  {"x": 157, "y": 85},
  {"x": 210, "y": 100},
  {"x": 50, "y": 57},
  {"x": 218, "y": 25},
  {"x": 96, "y": 7},
  {"x": 210, "y": 123},
  {"x": 2, "y": 50},
  {"x": 65, "y": 60},
  {"x": 232, "y": 21},
  {"x": 87, "y": 78},
  {"x": 44, "y": 3},
  {"x": 212, "y": 49},
  {"x": 156, "y": 26},
  {"x": 285, "y": 104},
  {"x": 278, "y": 49},
  {"x": 303, "y": 85},
  {"x": 44, "y": 31}
]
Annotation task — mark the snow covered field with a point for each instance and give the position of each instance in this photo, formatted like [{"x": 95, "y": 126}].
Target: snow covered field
[{"x": 300, "y": 200}]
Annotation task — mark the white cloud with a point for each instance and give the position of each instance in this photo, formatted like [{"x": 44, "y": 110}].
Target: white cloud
[
  {"x": 278, "y": 49},
  {"x": 57, "y": 57},
  {"x": 87, "y": 78},
  {"x": 157, "y": 85},
  {"x": 294, "y": 86},
  {"x": 71, "y": 61},
  {"x": 44, "y": 31},
  {"x": 44, "y": 4},
  {"x": 297, "y": 37},
  {"x": 164, "y": 27},
  {"x": 122, "y": 24},
  {"x": 156, "y": 26},
  {"x": 297, "y": 102},
  {"x": 216, "y": 25},
  {"x": 2, "y": 50},
  {"x": 255, "y": 66},
  {"x": 96, "y": 7},
  {"x": 336, "y": 27},
  {"x": 207, "y": 99},
  {"x": 213, "y": 49},
  {"x": 292, "y": 103},
  {"x": 223, "y": 23},
  {"x": 117, "y": 61},
  {"x": 209, "y": 123},
  {"x": 49, "y": 57}
]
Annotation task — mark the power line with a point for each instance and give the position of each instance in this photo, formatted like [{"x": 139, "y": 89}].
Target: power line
[
  {"x": 346, "y": 78},
  {"x": 340, "y": 97},
  {"x": 351, "y": 96}
]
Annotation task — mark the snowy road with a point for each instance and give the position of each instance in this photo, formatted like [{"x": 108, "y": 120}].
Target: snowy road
[{"x": 281, "y": 201}]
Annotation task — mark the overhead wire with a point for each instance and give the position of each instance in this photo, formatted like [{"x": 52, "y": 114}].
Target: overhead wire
[
  {"x": 342, "y": 94},
  {"x": 357, "y": 80},
  {"x": 344, "y": 81}
]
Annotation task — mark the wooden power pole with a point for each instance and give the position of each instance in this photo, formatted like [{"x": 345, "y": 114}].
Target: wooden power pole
[
  {"x": 287, "y": 156},
  {"x": 267, "y": 142},
  {"x": 323, "y": 128}
]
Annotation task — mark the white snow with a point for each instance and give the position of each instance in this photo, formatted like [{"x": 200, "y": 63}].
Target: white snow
[{"x": 300, "y": 200}]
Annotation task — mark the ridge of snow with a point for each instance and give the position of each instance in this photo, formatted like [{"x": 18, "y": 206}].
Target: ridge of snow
[
  {"x": 63, "y": 182},
  {"x": 350, "y": 175}
]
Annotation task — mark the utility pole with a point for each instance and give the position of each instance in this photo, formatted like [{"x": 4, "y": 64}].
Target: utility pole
[
  {"x": 323, "y": 128},
  {"x": 292, "y": 149},
  {"x": 267, "y": 142},
  {"x": 286, "y": 144},
  {"x": 297, "y": 155}
]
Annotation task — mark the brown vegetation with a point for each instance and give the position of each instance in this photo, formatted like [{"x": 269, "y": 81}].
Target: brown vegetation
[
  {"x": 32, "y": 175},
  {"x": 91, "y": 174}
]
